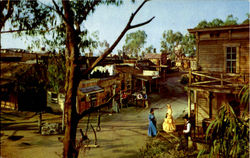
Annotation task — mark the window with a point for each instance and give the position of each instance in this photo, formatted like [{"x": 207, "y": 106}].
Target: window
[
  {"x": 214, "y": 35},
  {"x": 231, "y": 59},
  {"x": 93, "y": 98}
]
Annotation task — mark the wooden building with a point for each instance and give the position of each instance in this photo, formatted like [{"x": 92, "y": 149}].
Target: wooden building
[
  {"x": 222, "y": 70},
  {"x": 22, "y": 86},
  {"x": 22, "y": 80},
  {"x": 95, "y": 92},
  {"x": 139, "y": 79},
  {"x": 160, "y": 61}
]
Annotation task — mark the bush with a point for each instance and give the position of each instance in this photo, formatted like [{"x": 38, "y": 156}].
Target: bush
[{"x": 165, "y": 148}]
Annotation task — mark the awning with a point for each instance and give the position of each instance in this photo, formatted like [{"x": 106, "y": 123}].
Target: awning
[{"x": 92, "y": 89}]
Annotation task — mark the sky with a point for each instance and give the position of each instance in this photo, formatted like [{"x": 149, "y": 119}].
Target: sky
[{"x": 178, "y": 15}]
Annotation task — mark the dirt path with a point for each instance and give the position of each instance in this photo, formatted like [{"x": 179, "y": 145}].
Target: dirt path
[
  {"x": 121, "y": 135},
  {"x": 126, "y": 132}
]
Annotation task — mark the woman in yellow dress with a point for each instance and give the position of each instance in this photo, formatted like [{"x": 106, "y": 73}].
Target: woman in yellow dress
[{"x": 168, "y": 124}]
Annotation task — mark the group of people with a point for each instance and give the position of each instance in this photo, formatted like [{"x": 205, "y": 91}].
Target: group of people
[
  {"x": 139, "y": 96},
  {"x": 168, "y": 124}
]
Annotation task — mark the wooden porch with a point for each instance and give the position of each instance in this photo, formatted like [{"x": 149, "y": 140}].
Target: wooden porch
[{"x": 213, "y": 86}]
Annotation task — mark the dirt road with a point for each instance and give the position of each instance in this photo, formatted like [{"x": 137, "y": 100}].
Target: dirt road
[{"x": 121, "y": 136}]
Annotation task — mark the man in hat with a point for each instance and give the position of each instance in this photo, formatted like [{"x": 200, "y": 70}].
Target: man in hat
[{"x": 187, "y": 129}]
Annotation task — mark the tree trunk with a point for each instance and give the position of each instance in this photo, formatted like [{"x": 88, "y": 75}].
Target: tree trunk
[
  {"x": 72, "y": 81},
  {"x": 71, "y": 84},
  {"x": 72, "y": 74},
  {"x": 70, "y": 137}
]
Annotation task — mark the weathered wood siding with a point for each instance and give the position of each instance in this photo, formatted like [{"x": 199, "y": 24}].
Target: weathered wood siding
[
  {"x": 211, "y": 49},
  {"x": 202, "y": 110},
  {"x": 84, "y": 101},
  {"x": 244, "y": 57}
]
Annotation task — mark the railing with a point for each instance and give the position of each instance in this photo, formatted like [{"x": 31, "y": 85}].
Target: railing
[{"x": 219, "y": 79}]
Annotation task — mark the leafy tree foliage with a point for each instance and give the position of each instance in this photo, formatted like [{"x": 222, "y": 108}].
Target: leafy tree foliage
[
  {"x": 247, "y": 20},
  {"x": 34, "y": 74},
  {"x": 230, "y": 20},
  {"x": 229, "y": 135},
  {"x": 104, "y": 45},
  {"x": 188, "y": 44},
  {"x": 134, "y": 42},
  {"x": 56, "y": 72},
  {"x": 47, "y": 28},
  {"x": 6, "y": 11},
  {"x": 171, "y": 40},
  {"x": 36, "y": 18},
  {"x": 244, "y": 97},
  {"x": 149, "y": 49}
]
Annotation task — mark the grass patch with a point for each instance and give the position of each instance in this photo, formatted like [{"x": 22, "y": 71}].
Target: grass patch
[{"x": 165, "y": 147}]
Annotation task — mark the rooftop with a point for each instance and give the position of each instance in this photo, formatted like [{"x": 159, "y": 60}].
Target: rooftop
[
  {"x": 91, "y": 89},
  {"x": 220, "y": 28},
  {"x": 152, "y": 56}
]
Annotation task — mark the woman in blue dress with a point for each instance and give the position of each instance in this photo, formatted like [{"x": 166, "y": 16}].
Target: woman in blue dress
[{"x": 152, "y": 131}]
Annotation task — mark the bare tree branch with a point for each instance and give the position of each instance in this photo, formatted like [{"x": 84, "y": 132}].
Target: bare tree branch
[
  {"x": 128, "y": 27},
  {"x": 141, "y": 24},
  {"x": 139, "y": 7}
]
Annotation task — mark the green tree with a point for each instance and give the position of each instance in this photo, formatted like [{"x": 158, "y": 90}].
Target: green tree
[
  {"x": 56, "y": 72},
  {"x": 188, "y": 44},
  {"x": 216, "y": 22},
  {"x": 230, "y": 20},
  {"x": 247, "y": 20},
  {"x": 104, "y": 45},
  {"x": 202, "y": 24},
  {"x": 66, "y": 18},
  {"x": 134, "y": 42},
  {"x": 170, "y": 40},
  {"x": 149, "y": 49}
]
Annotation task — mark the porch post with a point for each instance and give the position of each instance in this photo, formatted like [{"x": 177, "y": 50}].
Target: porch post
[
  {"x": 210, "y": 97},
  {"x": 189, "y": 103},
  {"x": 195, "y": 108},
  {"x": 190, "y": 77}
]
